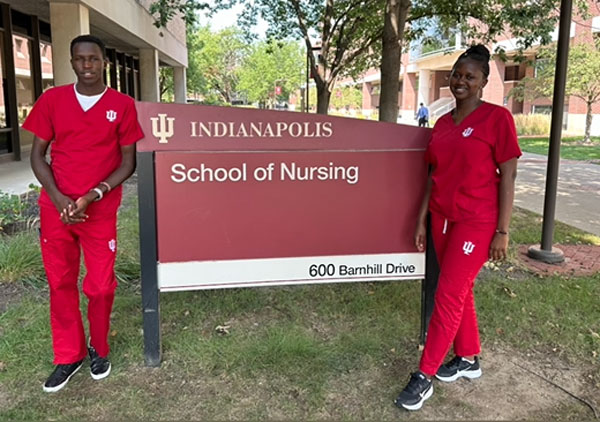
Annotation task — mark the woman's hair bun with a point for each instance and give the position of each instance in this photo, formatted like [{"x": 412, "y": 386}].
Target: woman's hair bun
[{"x": 479, "y": 50}]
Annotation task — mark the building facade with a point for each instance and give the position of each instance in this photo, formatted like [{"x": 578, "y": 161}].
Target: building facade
[
  {"x": 35, "y": 36},
  {"x": 424, "y": 79}
]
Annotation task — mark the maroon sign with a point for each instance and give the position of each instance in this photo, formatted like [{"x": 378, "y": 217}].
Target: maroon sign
[{"x": 251, "y": 197}]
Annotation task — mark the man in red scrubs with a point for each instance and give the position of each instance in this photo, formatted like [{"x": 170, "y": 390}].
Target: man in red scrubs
[{"x": 93, "y": 130}]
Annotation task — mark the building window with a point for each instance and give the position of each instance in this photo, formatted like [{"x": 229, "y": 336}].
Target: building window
[
  {"x": 511, "y": 73},
  {"x": 25, "y": 89},
  {"x": 47, "y": 72},
  {"x": 5, "y": 145}
]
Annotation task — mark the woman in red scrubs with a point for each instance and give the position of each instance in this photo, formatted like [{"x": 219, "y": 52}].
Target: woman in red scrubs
[{"x": 473, "y": 165}]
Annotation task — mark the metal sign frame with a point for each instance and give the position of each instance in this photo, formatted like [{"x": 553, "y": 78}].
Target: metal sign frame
[{"x": 147, "y": 202}]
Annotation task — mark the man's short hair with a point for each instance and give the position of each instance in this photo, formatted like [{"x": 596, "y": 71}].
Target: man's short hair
[{"x": 89, "y": 38}]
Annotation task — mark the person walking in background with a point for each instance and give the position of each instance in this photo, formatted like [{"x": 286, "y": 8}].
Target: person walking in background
[
  {"x": 423, "y": 116},
  {"x": 473, "y": 165},
  {"x": 93, "y": 130}
]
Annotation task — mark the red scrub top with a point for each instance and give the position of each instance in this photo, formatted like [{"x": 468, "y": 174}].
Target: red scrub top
[
  {"x": 465, "y": 158},
  {"x": 86, "y": 145}
]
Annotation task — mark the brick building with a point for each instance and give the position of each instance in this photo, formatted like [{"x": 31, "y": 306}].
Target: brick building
[{"x": 424, "y": 78}]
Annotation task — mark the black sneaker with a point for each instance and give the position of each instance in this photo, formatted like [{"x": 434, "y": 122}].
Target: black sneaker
[
  {"x": 418, "y": 389},
  {"x": 100, "y": 367},
  {"x": 61, "y": 376},
  {"x": 457, "y": 368}
]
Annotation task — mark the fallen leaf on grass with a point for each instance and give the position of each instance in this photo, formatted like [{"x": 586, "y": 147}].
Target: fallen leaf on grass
[
  {"x": 2, "y": 366},
  {"x": 509, "y": 292},
  {"x": 594, "y": 334},
  {"x": 113, "y": 333},
  {"x": 222, "y": 329},
  {"x": 499, "y": 331}
]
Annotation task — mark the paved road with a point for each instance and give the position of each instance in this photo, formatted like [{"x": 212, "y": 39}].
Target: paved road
[{"x": 578, "y": 197}]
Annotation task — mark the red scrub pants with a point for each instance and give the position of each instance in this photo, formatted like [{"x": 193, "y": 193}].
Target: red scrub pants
[
  {"x": 461, "y": 248},
  {"x": 61, "y": 245}
]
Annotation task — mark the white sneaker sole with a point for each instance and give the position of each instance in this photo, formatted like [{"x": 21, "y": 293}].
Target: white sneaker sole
[
  {"x": 65, "y": 382},
  {"x": 418, "y": 405},
  {"x": 461, "y": 374},
  {"x": 102, "y": 375}
]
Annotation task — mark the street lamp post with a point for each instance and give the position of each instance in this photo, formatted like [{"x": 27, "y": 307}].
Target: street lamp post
[{"x": 546, "y": 252}]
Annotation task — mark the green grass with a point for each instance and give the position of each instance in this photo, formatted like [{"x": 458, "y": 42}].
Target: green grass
[
  {"x": 288, "y": 349},
  {"x": 20, "y": 258},
  {"x": 526, "y": 228},
  {"x": 513, "y": 311},
  {"x": 127, "y": 266},
  {"x": 571, "y": 148},
  {"x": 336, "y": 351}
]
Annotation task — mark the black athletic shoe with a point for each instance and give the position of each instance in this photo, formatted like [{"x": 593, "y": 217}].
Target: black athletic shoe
[
  {"x": 61, "y": 376},
  {"x": 418, "y": 389},
  {"x": 100, "y": 367},
  {"x": 457, "y": 368}
]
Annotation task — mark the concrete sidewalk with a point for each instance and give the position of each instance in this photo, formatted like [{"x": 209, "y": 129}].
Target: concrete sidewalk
[
  {"x": 578, "y": 200},
  {"x": 16, "y": 176},
  {"x": 578, "y": 192}
]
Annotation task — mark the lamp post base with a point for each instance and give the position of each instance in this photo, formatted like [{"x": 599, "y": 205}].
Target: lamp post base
[{"x": 555, "y": 256}]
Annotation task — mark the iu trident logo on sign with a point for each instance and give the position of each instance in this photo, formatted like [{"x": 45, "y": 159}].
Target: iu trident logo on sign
[{"x": 165, "y": 130}]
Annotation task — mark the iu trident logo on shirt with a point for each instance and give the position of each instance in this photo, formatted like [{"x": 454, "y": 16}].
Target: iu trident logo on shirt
[
  {"x": 468, "y": 247},
  {"x": 467, "y": 132},
  {"x": 111, "y": 115}
]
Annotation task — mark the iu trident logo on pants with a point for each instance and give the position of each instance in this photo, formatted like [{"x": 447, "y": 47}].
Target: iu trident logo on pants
[{"x": 468, "y": 247}]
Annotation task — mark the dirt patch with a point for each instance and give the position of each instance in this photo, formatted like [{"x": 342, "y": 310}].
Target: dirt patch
[
  {"x": 580, "y": 260},
  {"x": 506, "y": 391},
  {"x": 11, "y": 293},
  {"x": 510, "y": 389}
]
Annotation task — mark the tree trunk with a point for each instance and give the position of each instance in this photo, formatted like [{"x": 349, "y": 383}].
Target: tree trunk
[
  {"x": 396, "y": 12},
  {"x": 588, "y": 122},
  {"x": 323, "y": 96}
]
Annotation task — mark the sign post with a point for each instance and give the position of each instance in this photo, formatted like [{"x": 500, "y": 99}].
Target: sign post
[{"x": 242, "y": 198}]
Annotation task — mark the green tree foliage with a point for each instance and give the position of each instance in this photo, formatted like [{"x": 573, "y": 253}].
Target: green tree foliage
[
  {"x": 268, "y": 66},
  {"x": 347, "y": 97},
  {"x": 348, "y": 33},
  {"x": 356, "y": 34},
  {"x": 197, "y": 83},
  {"x": 165, "y": 10},
  {"x": 166, "y": 84},
  {"x": 215, "y": 58},
  {"x": 582, "y": 78},
  {"x": 527, "y": 21}
]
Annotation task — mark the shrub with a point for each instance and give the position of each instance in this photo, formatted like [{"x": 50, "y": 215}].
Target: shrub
[{"x": 532, "y": 124}]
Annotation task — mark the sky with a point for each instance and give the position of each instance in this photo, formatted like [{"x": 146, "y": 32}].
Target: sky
[{"x": 226, "y": 18}]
